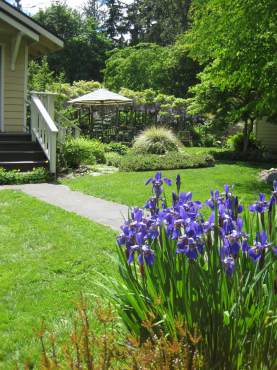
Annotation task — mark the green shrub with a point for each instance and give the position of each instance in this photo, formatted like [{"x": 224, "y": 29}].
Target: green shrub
[
  {"x": 116, "y": 148},
  {"x": 251, "y": 156},
  {"x": 83, "y": 151},
  {"x": 113, "y": 159},
  {"x": 156, "y": 140},
  {"x": 201, "y": 137},
  {"x": 37, "y": 175},
  {"x": 235, "y": 142},
  {"x": 169, "y": 161}
]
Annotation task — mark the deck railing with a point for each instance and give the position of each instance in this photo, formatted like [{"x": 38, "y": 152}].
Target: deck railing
[{"x": 43, "y": 128}]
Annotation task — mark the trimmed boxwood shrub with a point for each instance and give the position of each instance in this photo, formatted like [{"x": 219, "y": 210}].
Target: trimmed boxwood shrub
[
  {"x": 83, "y": 151},
  {"x": 12, "y": 177},
  {"x": 169, "y": 161}
]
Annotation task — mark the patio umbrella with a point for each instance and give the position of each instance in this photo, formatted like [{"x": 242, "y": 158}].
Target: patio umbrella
[{"x": 101, "y": 98}]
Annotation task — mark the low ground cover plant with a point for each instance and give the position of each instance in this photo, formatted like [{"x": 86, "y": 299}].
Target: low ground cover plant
[
  {"x": 156, "y": 140},
  {"x": 215, "y": 274},
  {"x": 171, "y": 160},
  {"x": 37, "y": 175},
  {"x": 82, "y": 151}
]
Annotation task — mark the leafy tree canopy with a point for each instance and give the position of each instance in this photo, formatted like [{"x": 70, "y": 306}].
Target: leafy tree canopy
[
  {"x": 236, "y": 42},
  {"x": 165, "y": 69},
  {"x": 84, "y": 54}
]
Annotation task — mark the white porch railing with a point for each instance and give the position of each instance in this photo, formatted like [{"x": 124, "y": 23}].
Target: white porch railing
[
  {"x": 67, "y": 130},
  {"x": 43, "y": 128}
]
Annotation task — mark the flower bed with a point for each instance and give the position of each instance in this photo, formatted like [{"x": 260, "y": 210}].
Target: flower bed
[{"x": 215, "y": 276}]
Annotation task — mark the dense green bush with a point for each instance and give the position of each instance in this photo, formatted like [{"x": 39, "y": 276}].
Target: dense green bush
[
  {"x": 16, "y": 177},
  {"x": 169, "y": 161},
  {"x": 156, "y": 140},
  {"x": 203, "y": 136},
  {"x": 83, "y": 151},
  {"x": 116, "y": 148},
  {"x": 235, "y": 142}
]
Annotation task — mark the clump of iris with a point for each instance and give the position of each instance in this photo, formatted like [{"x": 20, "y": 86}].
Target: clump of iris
[{"x": 185, "y": 223}]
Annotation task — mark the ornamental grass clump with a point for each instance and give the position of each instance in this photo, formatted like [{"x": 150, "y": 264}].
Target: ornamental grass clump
[
  {"x": 215, "y": 275},
  {"x": 156, "y": 140}
]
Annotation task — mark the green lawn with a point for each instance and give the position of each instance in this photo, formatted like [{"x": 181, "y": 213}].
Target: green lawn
[
  {"x": 48, "y": 256},
  {"x": 128, "y": 188}
]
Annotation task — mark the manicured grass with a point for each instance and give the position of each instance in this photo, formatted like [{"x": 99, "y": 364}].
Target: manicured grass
[
  {"x": 48, "y": 256},
  {"x": 128, "y": 188}
]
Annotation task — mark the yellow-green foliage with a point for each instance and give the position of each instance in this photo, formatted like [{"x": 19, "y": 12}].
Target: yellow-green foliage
[{"x": 156, "y": 140}]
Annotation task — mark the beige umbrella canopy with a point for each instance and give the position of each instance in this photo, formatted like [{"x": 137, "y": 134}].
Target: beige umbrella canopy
[{"x": 101, "y": 97}]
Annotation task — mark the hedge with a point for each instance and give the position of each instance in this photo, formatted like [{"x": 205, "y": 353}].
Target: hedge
[
  {"x": 152, "y": 162},
  {"x": 11, "y": 177}
]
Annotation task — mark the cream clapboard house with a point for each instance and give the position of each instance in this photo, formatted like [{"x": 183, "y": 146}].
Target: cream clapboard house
[
  {"x": 21, "y": 39},
  {"x": 266, "y": 133}
]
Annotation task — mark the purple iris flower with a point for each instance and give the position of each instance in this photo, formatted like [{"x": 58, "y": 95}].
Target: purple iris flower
[
  {"x": 143, "y": 250},
  {"x": 229, "y": 265},
  {"x": 157, "y": 183},
  {"x": 189, "y": 246},
  {"x": 213, "y": 200},
  {"x": 245, "y": 246},
  {"x": 260, "y": 206},
  {"x": 260, "y": 244},
  {"x": 146, "y": 255},
  {"x": 152, "y": 205}
]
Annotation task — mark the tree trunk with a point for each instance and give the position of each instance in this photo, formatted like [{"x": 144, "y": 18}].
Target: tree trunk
[
  {"x": 248, "y": 128},
  {"x": 185, "y": 7}
]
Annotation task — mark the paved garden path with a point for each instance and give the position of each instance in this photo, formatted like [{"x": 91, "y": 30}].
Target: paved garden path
[{"x": 98, "y": 210}]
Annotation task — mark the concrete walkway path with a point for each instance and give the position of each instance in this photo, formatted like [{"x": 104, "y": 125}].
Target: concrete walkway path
[{"x": 98, "y": 210}]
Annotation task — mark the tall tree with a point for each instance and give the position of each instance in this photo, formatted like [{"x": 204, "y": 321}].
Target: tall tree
[
  {"x": 114, "y": 23},
  {"x": 158, "y": 21},
  {"x": 84, "y": 54},
  {"x": 236, "y": 42},
  {"x": 147, "y": 20},
  {"x": 94, "y": 9}
]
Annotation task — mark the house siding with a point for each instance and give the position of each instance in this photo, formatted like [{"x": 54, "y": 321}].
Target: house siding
[
  {"x": 14, "y": 90},
  {"x": 267, "y": 133}
]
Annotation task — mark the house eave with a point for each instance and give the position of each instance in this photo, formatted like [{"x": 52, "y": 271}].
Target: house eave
[{"x": 31, "y": 28}]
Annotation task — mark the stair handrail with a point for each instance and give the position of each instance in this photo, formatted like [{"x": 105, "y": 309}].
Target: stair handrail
[
  {"x": 71, "y": 130},
  {"x": 44, "y": 130}
]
